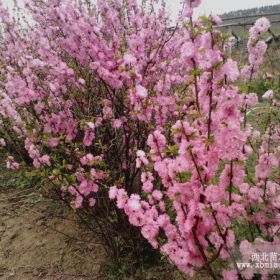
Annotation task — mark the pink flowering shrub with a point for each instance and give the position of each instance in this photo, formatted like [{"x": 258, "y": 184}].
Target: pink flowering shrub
[{"x": 136, "y": 120}]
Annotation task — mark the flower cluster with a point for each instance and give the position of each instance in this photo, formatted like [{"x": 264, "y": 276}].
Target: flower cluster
[
  {"x": 256, "y": 48},
  {"x": 109, "y": 95}
]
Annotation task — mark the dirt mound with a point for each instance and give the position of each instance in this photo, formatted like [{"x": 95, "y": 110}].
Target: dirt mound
[{"x": 39, "y": 239}]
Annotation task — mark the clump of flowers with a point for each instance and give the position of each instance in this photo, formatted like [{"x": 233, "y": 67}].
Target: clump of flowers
[{"x": 136, "y": 120}]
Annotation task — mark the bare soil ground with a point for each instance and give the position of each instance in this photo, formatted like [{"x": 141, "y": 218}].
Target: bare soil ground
[{"x": 39, "y": 239}]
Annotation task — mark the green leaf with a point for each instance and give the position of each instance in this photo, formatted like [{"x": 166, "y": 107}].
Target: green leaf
[{"x": 184, "y": 177}]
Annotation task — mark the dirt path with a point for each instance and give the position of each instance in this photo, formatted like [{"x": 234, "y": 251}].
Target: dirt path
[{"x": 39, "y": 239}]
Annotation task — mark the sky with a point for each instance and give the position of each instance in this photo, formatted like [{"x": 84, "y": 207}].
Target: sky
[{"x": 221, "y": 6}]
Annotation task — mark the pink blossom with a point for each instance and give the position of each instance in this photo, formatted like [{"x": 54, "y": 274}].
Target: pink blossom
[
  {"x": 45, "y": 159},
  {"x": 117, "y": 123},
  {"x": 81, "y": 81},
  {"x": 250, "y": 99},
  {"x": 11, "y": 163},
  {"x": 121, "y": 198},
  {"x": 133, "y": 203},
  {"x": 157, "y": 195},
  {"x": 230, "y": 275},
  {"x": 2, "y": 142},
  {"x": 214, "y": 193},
  {"x": 113, "y": 192},
  {"x": 91, "y": 202},
  {"x": 129, "y": 59},
  {"x": 141, "y": 159},
  {"x": 255, "y": 194},
  {"x": 141, "y": 92},
  {"x": 52, "y": 142},
  {"x": 262, "y": 24},
  {"x": 268, "y": 95},
  {"x": 216, "y": 19},
  {"x": 188, "y": 50},
  {"x": 230, "y": 69},
  {"x": 248, "y": 273},
  {"x": 78, "y": 201},
  {"x": 244, "y": 188}
]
